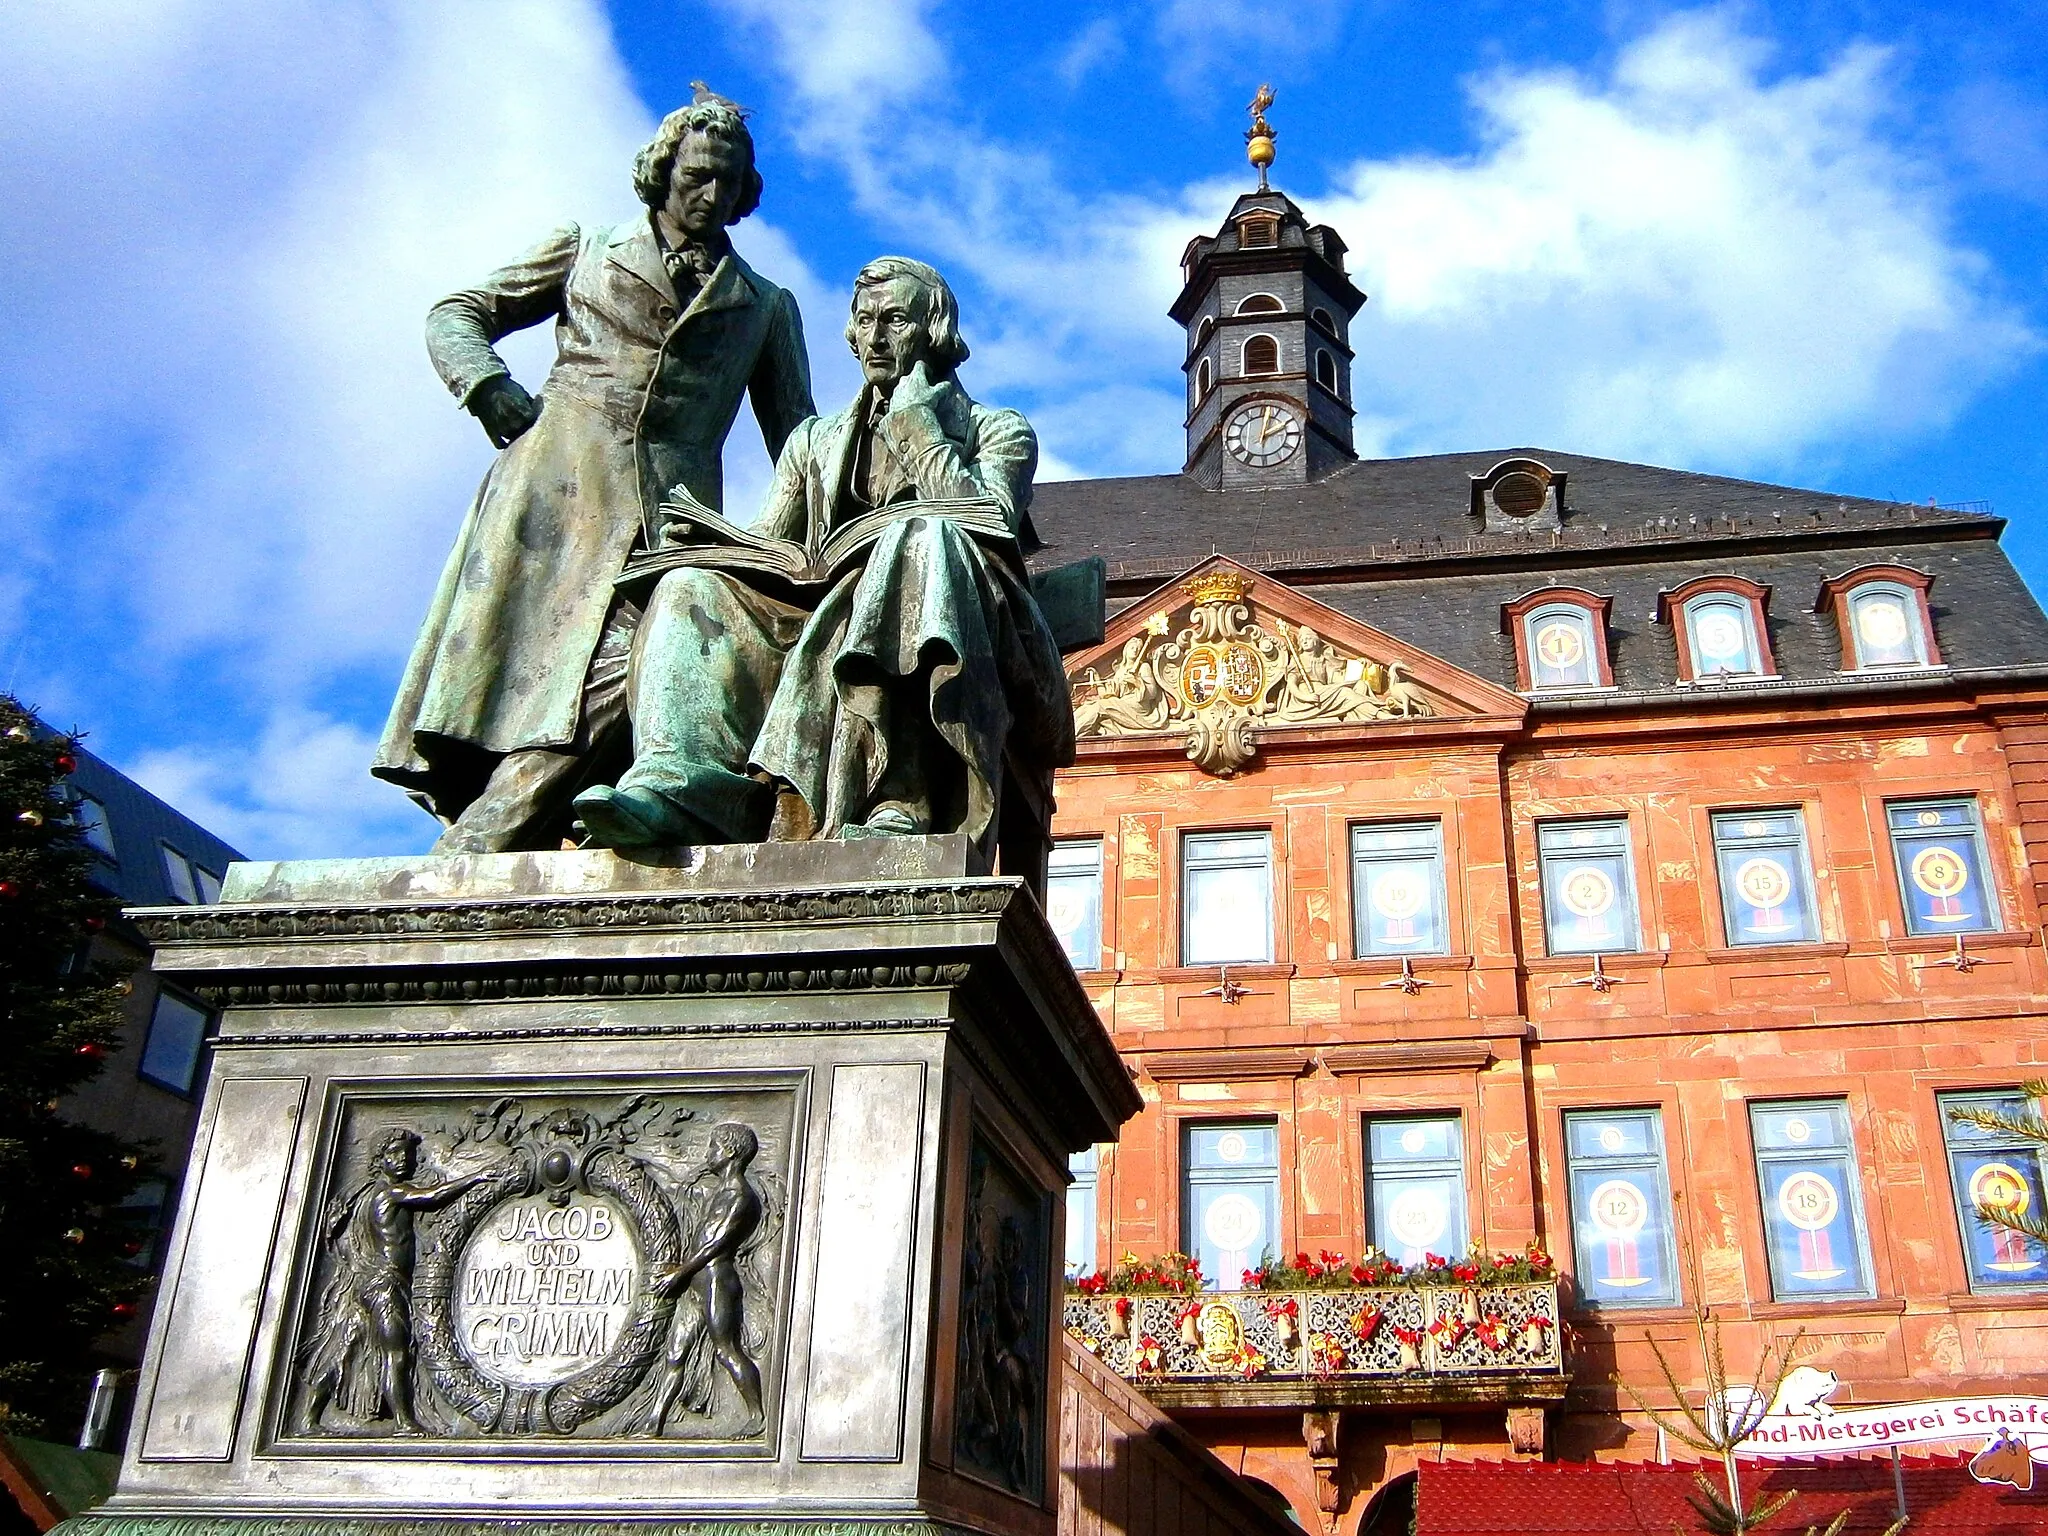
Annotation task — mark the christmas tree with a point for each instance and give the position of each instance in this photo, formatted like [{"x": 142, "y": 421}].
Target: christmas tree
[{"x": 69, "y": 1275}]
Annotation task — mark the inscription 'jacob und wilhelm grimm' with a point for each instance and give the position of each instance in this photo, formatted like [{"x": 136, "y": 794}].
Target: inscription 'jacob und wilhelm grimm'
[{"x": 543, "y": 1291}]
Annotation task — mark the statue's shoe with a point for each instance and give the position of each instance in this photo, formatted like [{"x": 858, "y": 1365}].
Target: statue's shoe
[
  {"x": 887, "y": 821},
  {"x": 633, "y": 818}
]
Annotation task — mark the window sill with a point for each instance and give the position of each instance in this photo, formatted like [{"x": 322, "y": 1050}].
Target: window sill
[
  {"x": 2030, "y": 1298},
  {"x": 1724, "y": 679},
  {"x": 1854, "y": 1306},
  {"x": 1610, "y": 960},
  {"x": 1825, "y": 950},
  {"x": 1620, "y": 1317},
  {"x": 1917, "y": 669},
  {"x": 1566, "y": 690},
  {"x": 1104, "y": 978},
  {"x": 1945, "y": 943},
  {"x": 1249, "y": 970},
  {"x": 1390, "y": 965}
]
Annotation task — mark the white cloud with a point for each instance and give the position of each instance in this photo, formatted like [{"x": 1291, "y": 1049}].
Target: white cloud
[
  {"x": 1687, "y": 261},
  {"x": 219, "y": 431},
  {"x": 299, "y": 789},
  {"x": 1684, "y": 258}
]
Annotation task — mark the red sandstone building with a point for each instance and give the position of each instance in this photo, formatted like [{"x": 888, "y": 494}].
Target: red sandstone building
[{"x": 1515, "y": 846}]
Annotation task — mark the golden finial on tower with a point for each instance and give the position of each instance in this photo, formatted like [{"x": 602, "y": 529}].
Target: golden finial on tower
[{"x": 1258, "y": 139}]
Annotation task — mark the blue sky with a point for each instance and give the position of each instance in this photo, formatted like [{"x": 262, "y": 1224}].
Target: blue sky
[{"x": 1800, "y": 242}]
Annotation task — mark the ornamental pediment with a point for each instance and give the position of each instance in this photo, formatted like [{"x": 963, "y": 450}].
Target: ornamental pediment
[{"x": 1222, "y": 656}]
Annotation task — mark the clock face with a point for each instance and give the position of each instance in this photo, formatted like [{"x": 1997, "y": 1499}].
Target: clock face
[{"x": 1263, "y": 433}]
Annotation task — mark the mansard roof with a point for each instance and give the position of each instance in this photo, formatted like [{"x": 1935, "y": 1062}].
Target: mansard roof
[
  {"x": 1395, "y": 543},
  {"x": 1392, "y": 511}
]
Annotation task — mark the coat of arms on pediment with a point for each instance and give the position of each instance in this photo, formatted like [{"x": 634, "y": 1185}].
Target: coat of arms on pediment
[{"x": 1223, "y": 655}]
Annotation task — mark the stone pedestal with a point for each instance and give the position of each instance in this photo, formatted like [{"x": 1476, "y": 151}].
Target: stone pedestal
[{"x": 559, "y": 1188}]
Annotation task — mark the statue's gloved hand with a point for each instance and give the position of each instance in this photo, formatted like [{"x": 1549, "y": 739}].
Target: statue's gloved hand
[{"x": 505, "y": 409}]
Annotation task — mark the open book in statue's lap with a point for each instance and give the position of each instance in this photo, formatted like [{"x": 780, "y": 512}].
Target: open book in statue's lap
[{"x": 878, "y": 681}]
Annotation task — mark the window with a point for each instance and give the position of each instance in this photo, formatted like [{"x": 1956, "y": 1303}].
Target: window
[
  {"x": 1884, "y": 624},
  {"x": 1415, "y": 1187},
  {"x": 1230, "y": 1196},
  {"x": 1719, "y": 628},
  {"x": 1073, "y": 900},
  {"x": 1996, "y": 1170},
  {"x": 1881, "y": 611},
  {"x": 1621, "y": 1207},
  {"x": 1938, "y": 850},
  {"x": 1766, "y": 877},
  {"x": 91, "y": 818},
  {"x": 1323, "y": 319},
  {"x": 1258, "y": 234},
  {"x": 1261, "y": 355},
  {"x": 1561, "y": 646},
  {"x": 142, "y": 1213},
  {"x": 1721, "y": 637},
  {"x": 1204, "y": 331},
  {"x": 1397, "y": 889},
  {"x": 1227, "y": 897},
  {"x": 1081, "y": 1213},
  {"x": 1326, "y": 370},
  {"x": 1205, "y": 376},
  {"x": 1589, "y": 888},
  {"x": 1813, "y": 1205},
  {"x": 177, "y": 1032},
  {"x": 190, "y": 883},
  {"x": 1259, "y": 304}
]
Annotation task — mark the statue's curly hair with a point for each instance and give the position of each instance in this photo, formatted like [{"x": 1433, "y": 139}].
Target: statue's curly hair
[
  {"x": 715, "y": 118},
  {"x": 941, "y": 313}
]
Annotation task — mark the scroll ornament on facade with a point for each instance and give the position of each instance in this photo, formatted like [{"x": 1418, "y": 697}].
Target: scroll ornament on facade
[{"x": 1225, "y": 673}]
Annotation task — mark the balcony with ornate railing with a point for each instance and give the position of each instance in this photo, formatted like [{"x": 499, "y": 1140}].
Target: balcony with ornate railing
[{"x": 1322, "y": 1333}]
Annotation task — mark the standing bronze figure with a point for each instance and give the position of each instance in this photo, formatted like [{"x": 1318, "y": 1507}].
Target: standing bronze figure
[
  {"x": 362, "y": 1355},
  {"x": 514, "y": 696}
]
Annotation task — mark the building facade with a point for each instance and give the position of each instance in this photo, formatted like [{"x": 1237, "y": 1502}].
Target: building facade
[
  {"x": 1518, "y": 847},
  {"x": 147, "y": 855}
]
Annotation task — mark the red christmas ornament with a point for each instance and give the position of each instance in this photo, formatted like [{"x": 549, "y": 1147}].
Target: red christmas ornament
[
  {"x": 81, "y": 1170},
  {"x": 9, "y": 888},
  {"x": 95, "y": 924},
  {"x": 91, "y": 1051},
  {"x": 124, "y": 1309},
  {"x": 66, "y": 763},
  {"x": 131, "y": 1248}
]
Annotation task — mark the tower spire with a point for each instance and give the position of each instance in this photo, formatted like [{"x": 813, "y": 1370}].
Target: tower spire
[{"x": 1258, "y": 139}]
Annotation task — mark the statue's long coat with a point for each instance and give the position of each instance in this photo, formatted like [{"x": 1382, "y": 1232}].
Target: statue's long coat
[
  {"x": 639, "y": 399},
  {"x": 927, "y": 603}
]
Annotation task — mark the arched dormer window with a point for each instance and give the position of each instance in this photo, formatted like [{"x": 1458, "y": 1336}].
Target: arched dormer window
[
  {"x": 1205, "y": 380},
  {"x": 1261, "y": 355},
  {"x": 1560, "y": 636},
  {"x": 1326, "y": 370},
  {"x": 1323, "y": 320},
  {"x": 1881, "y": 612},
  {"x": 1718, "y": 626},
  {"x": 1259, "y": 304}
]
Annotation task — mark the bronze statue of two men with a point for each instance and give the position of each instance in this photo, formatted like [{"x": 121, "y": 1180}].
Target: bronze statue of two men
[{"x": 541, "y": 701}]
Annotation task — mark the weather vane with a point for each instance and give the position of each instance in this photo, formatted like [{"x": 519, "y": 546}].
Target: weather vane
[{"x": 1258, "y": 139}]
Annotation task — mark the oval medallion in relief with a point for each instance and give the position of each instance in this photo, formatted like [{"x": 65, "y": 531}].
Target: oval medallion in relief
[{"x": 545, "y": 1291}]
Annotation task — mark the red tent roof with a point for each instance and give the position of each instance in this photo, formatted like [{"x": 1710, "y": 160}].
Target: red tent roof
[{"x": 1485, "y": 1498}]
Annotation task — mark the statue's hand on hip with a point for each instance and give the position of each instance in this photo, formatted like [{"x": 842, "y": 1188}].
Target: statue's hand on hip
[{"x": 505, "y": 409}]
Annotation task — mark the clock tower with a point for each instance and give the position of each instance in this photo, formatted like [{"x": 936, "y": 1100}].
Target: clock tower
[{"x": 1267, "y": 308}]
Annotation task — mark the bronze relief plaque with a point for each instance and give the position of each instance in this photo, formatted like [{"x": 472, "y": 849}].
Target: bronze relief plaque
[{"x": 548, "y": 1265}]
